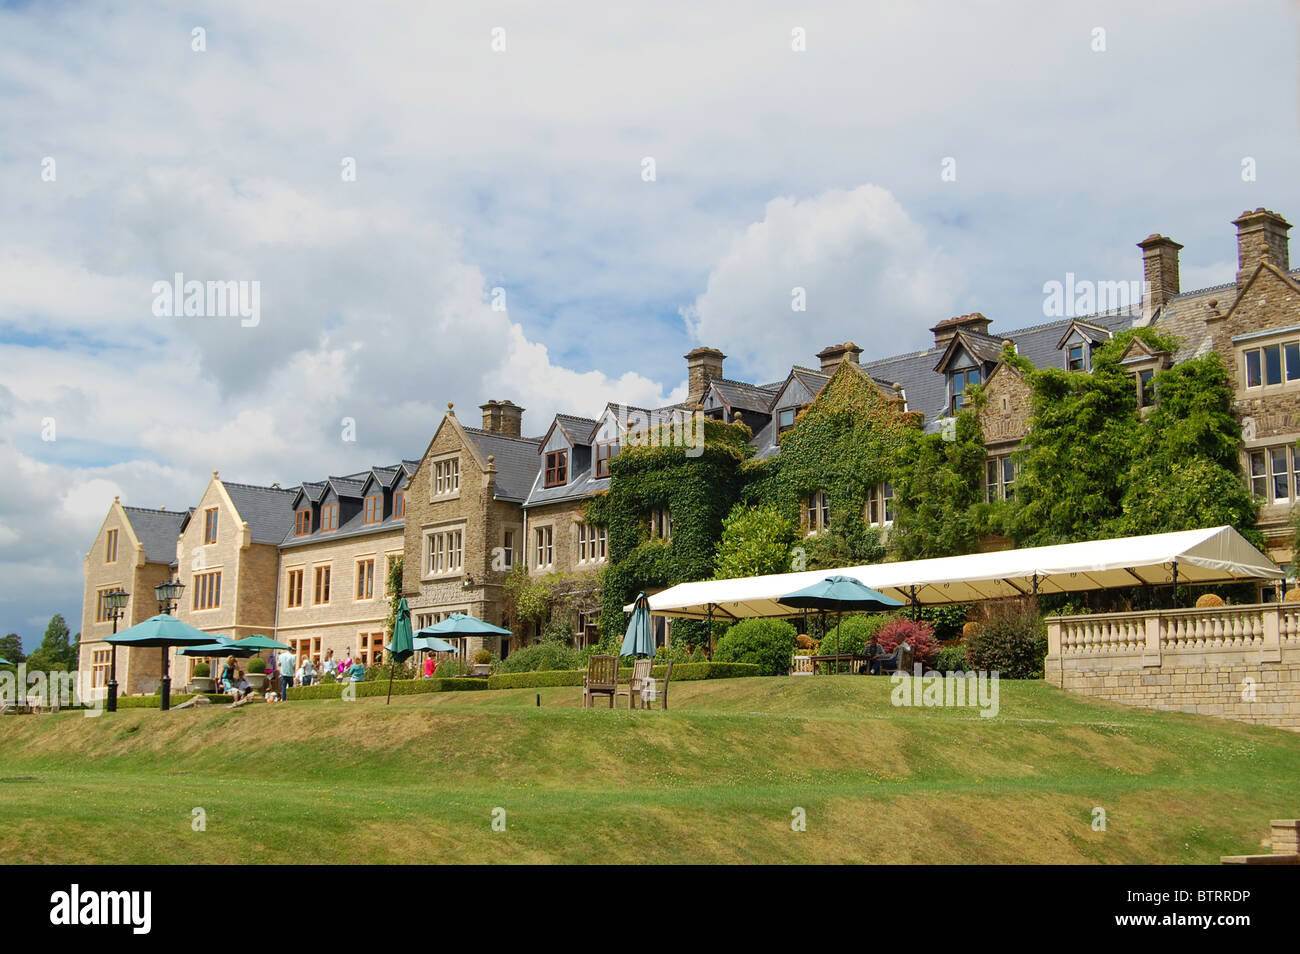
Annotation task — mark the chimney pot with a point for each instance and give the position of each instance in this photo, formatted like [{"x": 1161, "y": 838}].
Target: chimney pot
[
  {"x": 1261, "y": 236},
  {"x": 1159, "y": 272},
  {"x": 947, "y": 329},
  {"x": 503, "y": 417},
  {"x": 703, "y": 365},
  {"x": 832, "y": 355}
]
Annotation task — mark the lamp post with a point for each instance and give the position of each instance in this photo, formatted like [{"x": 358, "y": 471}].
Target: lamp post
[
  {"x": 168, "y": 594},
  {"x": 115, "y": 604}
]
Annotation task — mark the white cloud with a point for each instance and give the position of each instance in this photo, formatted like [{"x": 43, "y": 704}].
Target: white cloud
[{"x": 864, "y": 267}]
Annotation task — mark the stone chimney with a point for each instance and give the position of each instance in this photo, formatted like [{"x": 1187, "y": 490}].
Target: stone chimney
[
  {"x": 946, "y": 330},
  {"x": 702, "y": 366},
  {"x": 832, "y": 355},
  {"x": 1159, "y": 271},
  {"x": 503, "y": 417},
  {"x": 1261, "y": 236}
]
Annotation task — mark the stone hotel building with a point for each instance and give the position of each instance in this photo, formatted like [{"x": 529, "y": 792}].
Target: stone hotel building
[{"x": 309, "y": 563}]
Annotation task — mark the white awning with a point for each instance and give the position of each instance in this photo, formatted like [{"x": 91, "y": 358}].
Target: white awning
[{"x": 1214, "y": 555}]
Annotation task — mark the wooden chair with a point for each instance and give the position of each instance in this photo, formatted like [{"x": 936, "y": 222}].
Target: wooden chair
[
  {"x": 601, "y": 680},
  {"x": 801, "y": 666},
  {"x": 660, "y": 687},
  {"x": 632, "y": 689}
]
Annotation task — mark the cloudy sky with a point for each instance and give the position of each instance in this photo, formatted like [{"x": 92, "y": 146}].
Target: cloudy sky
[{"x": 510, "y": 146}]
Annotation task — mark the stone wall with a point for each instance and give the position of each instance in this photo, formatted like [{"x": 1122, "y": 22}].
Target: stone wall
[{"x": 1239, "y": 662}]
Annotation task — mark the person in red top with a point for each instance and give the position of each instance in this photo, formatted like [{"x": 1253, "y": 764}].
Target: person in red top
[{"x": 430, "y": 667}]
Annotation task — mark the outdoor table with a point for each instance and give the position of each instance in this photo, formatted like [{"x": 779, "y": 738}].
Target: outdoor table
[{"x": 837, "y": 658}]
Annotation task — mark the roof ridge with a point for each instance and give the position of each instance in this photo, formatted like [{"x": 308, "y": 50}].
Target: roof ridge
[
  {"x": 504, "y": 437},
  {"x": 278, "y": 490},
  {"x": 180, "y": 513}
]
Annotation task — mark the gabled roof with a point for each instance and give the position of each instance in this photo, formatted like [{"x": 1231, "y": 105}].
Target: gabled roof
[
  {"x": 983, "y": 348},
  {"x": 515, "y": 459},
  {"x": 739, "y": 396},
  {"x": 1092, "y": 333},
  {"x": 576, "y": 430},
  {"x": 266, "y": 510},
  {"x": 157, "y": 531},
  {"x": 349, "y": 487}
]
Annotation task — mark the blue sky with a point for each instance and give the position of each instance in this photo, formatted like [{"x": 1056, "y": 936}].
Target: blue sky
[{"x": 522, "y": 169}]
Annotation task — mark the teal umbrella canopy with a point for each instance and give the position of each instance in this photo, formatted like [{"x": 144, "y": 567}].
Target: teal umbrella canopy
[
  {"x": 841, "y": 593},
  {"x": 400, "y": 643},
  {"x": 431, "y": 644},
  {"x": 161, "y": 630},
  {"x": 260, "y": 642},
  {"x": 639, "y": 640},
  {"x": 5, "y": 662},
  {"x": 458, "y": 624},
  {"x": 222, "y": 646}
]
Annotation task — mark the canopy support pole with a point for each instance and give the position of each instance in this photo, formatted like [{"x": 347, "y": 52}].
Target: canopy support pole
[
  {"x": 916, "y": 607},
  {"x": 1175, "y": 606},
  {"x": 709, "y": 635}
]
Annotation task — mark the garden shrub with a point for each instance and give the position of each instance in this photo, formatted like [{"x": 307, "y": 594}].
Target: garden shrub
[
  {"x": 401, "y": 687},
  {"x": 202, "y": 670},
  {"x": 853, "y": 633},
  {"x": 951, "y": 658},
  {"x": 1011, "y": 642},
  {"x": 920, "y": 636},
  {"x": 482, "y": 656},
  {"x": 257, "y": 664},
  {"x": 767, "y": 643},
  {"x": 540, "y": 657}
]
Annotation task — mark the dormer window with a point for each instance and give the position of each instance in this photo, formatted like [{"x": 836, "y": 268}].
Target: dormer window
[
  {"x": 959, "y": 385},
  {"x": 302, "y": 523},
  {"x": 1146, "y": 392},
  {"x": 329, "y": 517},
  {"x": 1076, "y": 357},
  {"x": 785, "y": 419},
  {"x": 557, "y": 468},
  {"x": 374, "y": 508},
  {"x": 605, "y": 452},
  {"x": 399, "y": 505}
]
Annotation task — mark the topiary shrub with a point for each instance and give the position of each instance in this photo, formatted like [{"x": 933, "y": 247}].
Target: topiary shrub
[
  {"x": 482, "y": 656},
  {"x": 1208, "y": 600},
  {"x": 920, "y": 636},
  {"x": 805, "y": 643},
  {"x": 853, "y": 633},
  {"x": 257, "y": 664},
  {"x": 951, "y": 659},
  {"x": 202, "y": 670},
  {"x": 1011, "y": 642},
  {"x": 768, "y": 643}
]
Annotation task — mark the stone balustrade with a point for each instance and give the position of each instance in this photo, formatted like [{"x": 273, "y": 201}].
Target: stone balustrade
[{"x": 1240, "y": 662}]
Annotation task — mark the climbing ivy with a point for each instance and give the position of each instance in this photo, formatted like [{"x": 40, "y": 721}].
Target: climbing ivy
[
  {"x": 937, "y": 490},
  {"x": 755, "y": 541},
  {"x": 697, "y": 486}
]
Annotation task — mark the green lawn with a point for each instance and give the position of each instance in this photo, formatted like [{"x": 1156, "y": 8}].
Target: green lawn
[{"x": 713, "y": 780}]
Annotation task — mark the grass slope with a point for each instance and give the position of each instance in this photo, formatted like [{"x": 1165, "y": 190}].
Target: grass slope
[{"x": 714, "y": 780}]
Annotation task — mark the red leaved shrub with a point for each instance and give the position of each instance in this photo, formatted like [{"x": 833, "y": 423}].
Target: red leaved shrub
[{"x": 920, "y": 636}]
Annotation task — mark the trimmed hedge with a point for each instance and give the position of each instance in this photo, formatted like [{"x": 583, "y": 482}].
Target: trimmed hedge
[
  {"x": 401, "y": 687},
  {"x": 682, "y": 672},
  {"x": 152, "y": 702}
]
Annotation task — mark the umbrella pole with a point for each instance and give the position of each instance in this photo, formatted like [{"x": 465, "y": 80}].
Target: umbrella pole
[
  {"x": 390, "y": 683},
  {"x": 165, "y": 702}
]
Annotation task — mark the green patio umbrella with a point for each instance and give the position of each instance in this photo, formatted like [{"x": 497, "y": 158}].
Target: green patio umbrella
[
  {"x": 400, "y": 643},
  {"x": 258, "y": 641},
  {"x": 431, "y": 644},
  {"x": 459, "y": 624},
  {"x": 841, "y": 593},
  {"x": 222, "y": 646},
  {"x": 639, "y": 640},
  {"x": 164, "y": 631},
  {"x": 5, "y": 662}
]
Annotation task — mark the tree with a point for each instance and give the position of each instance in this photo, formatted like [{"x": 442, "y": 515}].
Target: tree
[
  {"x": 11, "y": 648},
  {"x": 755, "y": 541},
  {"x": 57, "y": 650}
]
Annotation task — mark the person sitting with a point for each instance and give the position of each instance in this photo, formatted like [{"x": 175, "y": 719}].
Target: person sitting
[
  {"x": 230, "y": 677},
  {"x": 893, "y": 662}
]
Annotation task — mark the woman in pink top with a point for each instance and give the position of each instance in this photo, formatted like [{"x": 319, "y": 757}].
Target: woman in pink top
[{"x": 430, "y": 667}]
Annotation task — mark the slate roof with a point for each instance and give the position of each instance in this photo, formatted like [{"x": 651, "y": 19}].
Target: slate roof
[
  {"x": 578, "y": 429},
  {"x": 266, "y": 510},
  {"x": 157, "y": 530},
  {"x": 746, "y": 397},
  {"x": 515, "y": 459}
]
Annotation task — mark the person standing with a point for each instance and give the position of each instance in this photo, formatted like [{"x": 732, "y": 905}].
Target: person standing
[
  {"x": 430, "y": 666},
  {"x": 307, "y": 670},
  {"x": 358, "y": 671},
  {"x": 327, "y": 664},
  {"x": 286, "y": 675}
]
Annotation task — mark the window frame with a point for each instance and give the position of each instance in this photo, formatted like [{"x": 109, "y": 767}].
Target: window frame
[
  {"x": 294, "y": 587},
  {"x": 323, "y": 574},
  {"x": 365, "y": 587},
  {"x": 373, "y": 508},
  {"x": 556, "y": 469},
  {"x": 210, "y": 525},
  {"x": 110, "y": 546},
  {"x": 302, "y": 522}
]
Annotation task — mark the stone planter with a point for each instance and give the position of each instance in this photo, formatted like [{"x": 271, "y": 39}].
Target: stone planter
[
  {"x": 201, "y": 684},
  {"x": 482, "y": 669},
  {"x": 256, "y": 680}
]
